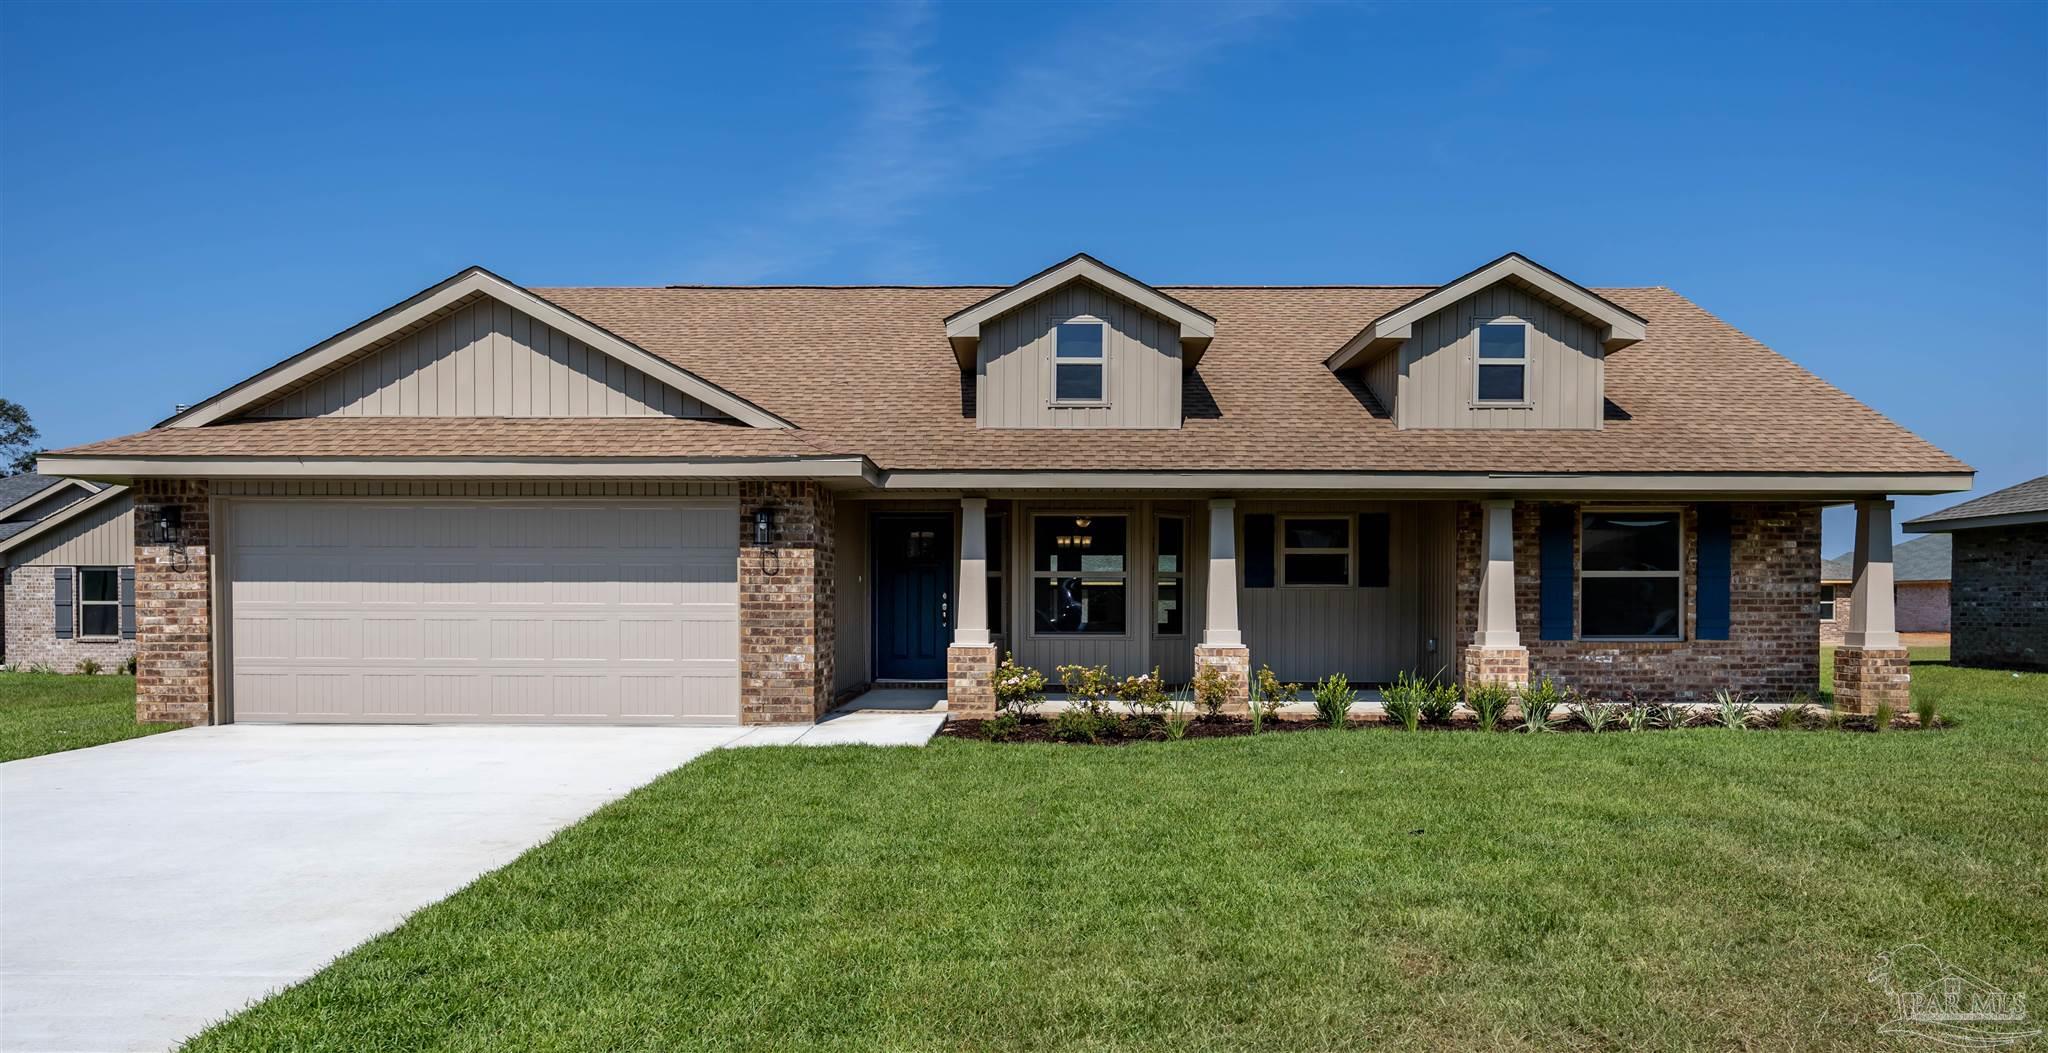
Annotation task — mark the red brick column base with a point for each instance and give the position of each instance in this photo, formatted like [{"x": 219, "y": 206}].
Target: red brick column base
[
  {"x": 1868, "y": 677},
  {"x": 1236, "y": 665},
  {"x": 971, "y": 681},
  {"x": 1495, "y": 665},
  {"x": 173, "y": 606}
]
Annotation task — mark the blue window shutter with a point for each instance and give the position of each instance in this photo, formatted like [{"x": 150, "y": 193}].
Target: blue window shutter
[
  {"x": 64, "y": 609},
  {"x": 127, "y": 603},
  {"x": 1258, "y": 552},
  {"x": 1715, "y": 572},
  {"x": 1557, "y": 533},
  {"x": 1375, "y": 569}
]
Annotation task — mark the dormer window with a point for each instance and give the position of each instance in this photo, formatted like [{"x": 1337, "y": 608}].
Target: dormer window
[
  {"x": 1503, "y": 374},
  {"x": 1079, "y": 361}
]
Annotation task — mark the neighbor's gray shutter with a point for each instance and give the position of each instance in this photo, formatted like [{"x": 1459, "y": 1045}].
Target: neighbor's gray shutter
[
  {"x": 127, "y": 603},
  {"x": 61, "y": 619}
]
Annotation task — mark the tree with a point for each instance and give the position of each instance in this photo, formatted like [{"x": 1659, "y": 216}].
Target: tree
[{"x": 18, "y": 437}]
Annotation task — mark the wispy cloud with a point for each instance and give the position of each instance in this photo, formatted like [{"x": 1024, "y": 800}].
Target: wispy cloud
[{"x": 912, "y": 145}]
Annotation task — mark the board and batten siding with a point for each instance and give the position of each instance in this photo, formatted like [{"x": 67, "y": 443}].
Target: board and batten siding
[
  {"x": 1438, "y": 366},
  {"x": 485, "y": 360},
  {"x": 1013, "y": 372},
  {"x": 1139, "y": 649},
  {"x": 102, "y": 537}
]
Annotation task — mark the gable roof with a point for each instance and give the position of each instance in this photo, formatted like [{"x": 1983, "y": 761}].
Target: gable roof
[
  {"x": 56, "y": 520},
  {"x": 1619, "y": 327},
  {"x": 1923, "y": 559},
  {"x": 1197, "y": 327},
  {"x": 2018, "y": 505},
  {"x": 28, "y": 488},
  {"x": 1703, "y": 401},
  {"x": 430, "y": 305}
]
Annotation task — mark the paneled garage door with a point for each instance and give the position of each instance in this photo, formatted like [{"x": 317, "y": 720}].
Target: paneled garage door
[{"x": 564, "y": 612}]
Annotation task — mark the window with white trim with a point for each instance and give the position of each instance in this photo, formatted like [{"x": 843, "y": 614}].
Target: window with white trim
[
  {"x": 1169, "y": 604},
  {"x": 1315, "y": 550},
  {"x": 1502, "y": 375},
  {"x": 99, "y": 601},
  {"x": 1079, "y": 575},
  {"x": 1630, "y": 583},
  {"x": 1080, "y": 361}
]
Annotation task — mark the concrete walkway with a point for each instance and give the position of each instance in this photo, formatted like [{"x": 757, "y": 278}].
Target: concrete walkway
[{"x": 151, "y": 887}]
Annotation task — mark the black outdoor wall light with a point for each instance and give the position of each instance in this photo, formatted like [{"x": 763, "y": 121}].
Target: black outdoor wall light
[
  {"x": 764, "y": 525},
  {"x": 167, "y": 526}
]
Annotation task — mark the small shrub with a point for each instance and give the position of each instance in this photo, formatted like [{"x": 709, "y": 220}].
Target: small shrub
[
  {"x": 1732, "y": 710},
  {"x": 1488, "y": 703},
  {"x": 1268, "y": 694},
  {"x": 128, "y": 667},
  {"x": 1212, "y": 690},
  {"x": 1089, "y": 689},
  {"x": 1638, "y": 716},
  {"x": 1018, "y": 687},
  {"x": 44, "y": 668},
  {"x": 1402, "y": 700},
  {"x": 1539, "y": 703},
  {"x": 1275, "y": 689},
  {"x": 1145, "y": 697},
  {"x": 1077, "y": 724},
  {"x": 1672, "y": 715},
  {"x": 1440, "y": 701},
  {"x": 1001, "y": 726},
  {"x": 1593, "y": 714},
  {"x": 1923, "y": 708},
  {"x": 1179, "y": 715},
  {"x": 88, "y": 667},
  {"x": 1333, "y": 697},
  {"x": 1883, "y": 720}
]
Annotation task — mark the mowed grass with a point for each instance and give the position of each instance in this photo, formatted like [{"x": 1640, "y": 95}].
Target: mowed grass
[
  {"x": 1705, "y": 889},
  {"x": 48, "y": 713}
]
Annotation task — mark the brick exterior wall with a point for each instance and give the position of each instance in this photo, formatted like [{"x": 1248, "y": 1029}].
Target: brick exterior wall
[
  {"x": 1833, "y": 630},
  {"x": 970, "y": 680},
  {"x": 786, "y": 604},
  {"x": 1774, "y": 645},
  {"x": 1494, "y": 665},
  {"x": 31, "y": 625},
  {"x": 1236, "y": 666},
  {"x": 1999, "y": 597},
  {"x": 1921, "y": 606},
  {"x": 173, "y": 608}
]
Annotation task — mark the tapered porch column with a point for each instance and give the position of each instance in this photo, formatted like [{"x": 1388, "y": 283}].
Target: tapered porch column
[
  {"x": 1497, "y": 655},
  {"x": 971, "y": 658},
  {"x": 1222, "y": 647},
  {"x": 1871, "y": 666}
]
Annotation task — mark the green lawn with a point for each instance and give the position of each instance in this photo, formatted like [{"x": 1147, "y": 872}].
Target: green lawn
[
  {"x": 48, "y": 713},
  {"x": 1703, "y": 889}
]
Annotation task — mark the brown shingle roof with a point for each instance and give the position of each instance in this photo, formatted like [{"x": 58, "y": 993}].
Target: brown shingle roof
[
  {"x": 868, "y": 370},
  {"x": 455, "y": 437}
]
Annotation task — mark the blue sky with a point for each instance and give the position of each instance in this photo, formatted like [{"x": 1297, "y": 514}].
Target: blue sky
[{"x": 190, "y": 192}]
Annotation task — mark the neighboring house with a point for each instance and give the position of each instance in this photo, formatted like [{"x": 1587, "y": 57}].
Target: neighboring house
[
  {"x": 67, "y": 550},
  {"x": 2000, "y": 593},
  {"x": 700, "y": 504},
  {"x": 1919, "y": 593}
]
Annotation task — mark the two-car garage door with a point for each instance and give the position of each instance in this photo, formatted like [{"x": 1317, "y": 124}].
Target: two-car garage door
[{"x": 570, "y": 612}]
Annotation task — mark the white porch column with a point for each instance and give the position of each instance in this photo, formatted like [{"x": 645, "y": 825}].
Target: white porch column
[
  {"x": 1872, "y": 621},
  {"x": 1497, "y": 583},
  {"x": 970, "y": 617},
  {"x": 1219, "y": 625}
]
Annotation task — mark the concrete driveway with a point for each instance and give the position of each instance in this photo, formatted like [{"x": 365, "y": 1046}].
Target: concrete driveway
[{"x": 151, "y": 887}]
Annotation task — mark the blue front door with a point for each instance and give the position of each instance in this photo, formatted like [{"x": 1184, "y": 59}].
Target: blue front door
[{"x": 913, "y": 595}]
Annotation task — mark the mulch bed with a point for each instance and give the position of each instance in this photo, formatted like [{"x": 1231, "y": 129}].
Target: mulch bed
[{"x": 1039, "y": 730}]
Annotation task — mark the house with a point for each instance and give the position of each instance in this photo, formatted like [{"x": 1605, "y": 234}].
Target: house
[
  {"x": 1919, "y": 593},
  {"x": 2000, "y": 593},
  {"x": 706, "y": 504},
  {"x": 67, "y": 554}
]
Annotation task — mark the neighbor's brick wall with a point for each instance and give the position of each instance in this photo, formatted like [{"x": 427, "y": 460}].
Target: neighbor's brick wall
[
  {"x": 1833, "y": 630},
  {"x": 786, "y": 604},
  {"x": 2000, "y": 597},
  {"x": 1774, "y": 645},
  {"x": 31, "y": 598},
  {"x": 1921, "y": 606},
  {"x": 173, "y": 608}
]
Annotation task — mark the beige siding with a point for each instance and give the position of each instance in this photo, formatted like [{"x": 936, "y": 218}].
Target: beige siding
[
  {"x": 467, "y": 488},
  {"x": 485, "y": 360},
  {"x": 1308, "y": 632},
  {"x": 1438, "y": 363},
  {"x": 850, "y": 617},
  {"x": 103, "y": 537},
  {"x": 1014, "y": 371},
  {"x": 1139, "y": 650},
  {"x": 1382, "y": 377}
]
